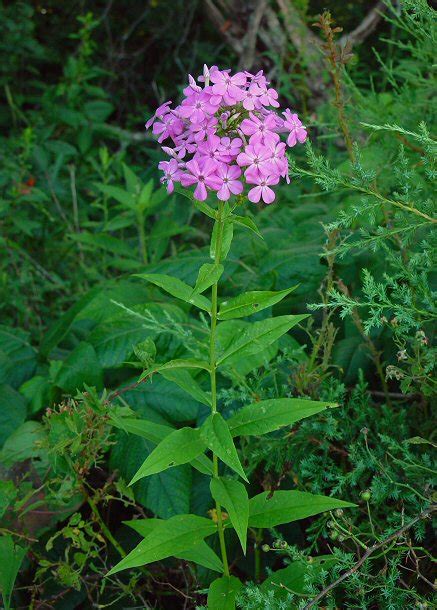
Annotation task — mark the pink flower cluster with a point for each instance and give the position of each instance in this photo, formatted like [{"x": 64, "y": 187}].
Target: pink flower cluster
[{"x": 225, "y": 133}]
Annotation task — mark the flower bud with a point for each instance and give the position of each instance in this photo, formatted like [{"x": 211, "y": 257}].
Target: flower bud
[
  {"x": 265, "y": 548},
  {"x": 366, "y": 495}
]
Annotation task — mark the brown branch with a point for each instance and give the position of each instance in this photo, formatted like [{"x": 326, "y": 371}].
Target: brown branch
[
  {"x": 367, "y": 554},
  {"x": 305, "y": 41},
  {"x": 247, "y": 56},
  {"x": 366, "y": 27},
  {"x": 222, "y": 25}
]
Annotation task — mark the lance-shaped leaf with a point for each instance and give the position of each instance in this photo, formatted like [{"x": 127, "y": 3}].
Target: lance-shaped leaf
[
  {"x": 269, "y": 415},
  {"x": 250, "y": 302},
  {"x": 283, "y": 506},
  {"x": 226, "y": 239},
  {"x": 223, "y": 592},
  {"x": 247, "y": 223},
  {"x": 215, "y": 433},
  {"x": 233, "y": 496},
  {"x": 200, "y": 205},
  {"x": 155, "y": 433},
  {"x": 179, "y": 447},
  {"x": 181, "y": 363},
  {"x": 177, "y": 289},
  {"x": 175, "y": 535},
  {"x": 208, "y": 275},
  {"x": 258, "y": 336},
  {"x": 201, "y": 553},
  {"x": 184, "y": 380}
]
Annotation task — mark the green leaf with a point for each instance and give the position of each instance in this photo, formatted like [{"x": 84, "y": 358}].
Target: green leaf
[
  {"x": 181, "y": 363},
  {"x": 120, "y": 195},
  {"x": 12, "y": 411},
  {"x": 133, "y": 183},
  {"x": 179, "y": 447},
  {"x": 216, "y": 435},
  {"x": 184, "y": 380},
  {"x": 80, "y": 368},
  {"x": 57, "y": 332},
  {"x": 250, "y": 303},
  {"x": 258, "y": 336},
  {"x": 247, "y": 223},
  {"x": 285, "y": 506},
  {"x": 201, "y": 553},
  {"x": 269, "y": 415},
  {"x": 223, "y": 592},
  {"x": 11, "y": 558},
  {"x": 155, "y": 433},
  {"x": 165, "y": 494},
  {"x": 175, "y": 535},
  {"x": 227, "y": 235},
  {"x": 200, "y": 205},
  {"x": 209, "y": 274},
  {"x": 177, "y": 288},
  {"x": 233, "y": 496},
  {"x": 24, "y": 443},
  {"x": 103, "y": 242},
  {"x": 295, "y": 577}
]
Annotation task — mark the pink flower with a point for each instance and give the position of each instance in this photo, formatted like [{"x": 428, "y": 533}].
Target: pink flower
[
  {"x": 277, "y": 159},
  {"x": 270, "y": 98},
  {"x": 228, "y": 175},
  {"x": 262, "y": 190},
  {"x": 253, "y": 96},
  {"x": 163, "y": 109},
  {"x": 170, "y": 126},
  {"x": 171, "y": 173},
  {"x": 203, "y": 130},
  {"x": 202, "y": 174},
  {"x": 293, "y": 124},
  {"x": 230, "y": 148},
  {"x": 260, "y": 130},
  {"x": 197, "y": 107},
  {"x": 255, "y": 156},
  {"x": 211, "y": 149},
  {"x": 228, "y": 86}
]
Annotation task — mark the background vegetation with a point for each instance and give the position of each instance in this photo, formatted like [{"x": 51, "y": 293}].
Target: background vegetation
[{"x": 81, "y": 210}]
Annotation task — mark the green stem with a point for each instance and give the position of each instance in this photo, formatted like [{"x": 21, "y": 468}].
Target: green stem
[
  {"x": 105, "y": 528},
  {"x": 142, "y": 237},
  {"x": 212, "y": 361}
]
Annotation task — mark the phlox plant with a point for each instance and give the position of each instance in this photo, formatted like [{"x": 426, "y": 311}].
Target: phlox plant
[{"x": 227, "y": 128}]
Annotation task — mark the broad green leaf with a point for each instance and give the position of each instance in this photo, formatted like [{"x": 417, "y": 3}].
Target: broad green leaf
[
  {"x": 295, "y": 577},
  {"x": 209, "y": 274},
  {"x": 250, "y": 302},
  {"x": 81, "y": 367},
  {"x": 258, "y": 336},
  {"x": 233, "y": 496},
  {"x": 181, "y": 363},
  {"x": 226, "y": 240},
  {"x": 57, "y": 332},
  {"x": 223, "y": 592},
  {"x": 118, "y": 194},
  {"x": 246, "y": 222},
  {"x": 12, "y": 411},
  {"x": 216, "y": 435},
  {"x": 184, "y": 380},
  {"x": 155, "y": 433},
  {"x": 165, "y": 494},
  {"x": 175, "y": 535},
  {"x": 283, "y": 506},
  {"x": 179, "y": 447},
  {"x": 145, "y": 195},
  {"x": 11, "y": 558},
  {"x": 24, "y": 443},
  {"x": 201, "y": 553},
  {"x": 177, "y": 288},
  {"x": 269, "y": 415}
]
